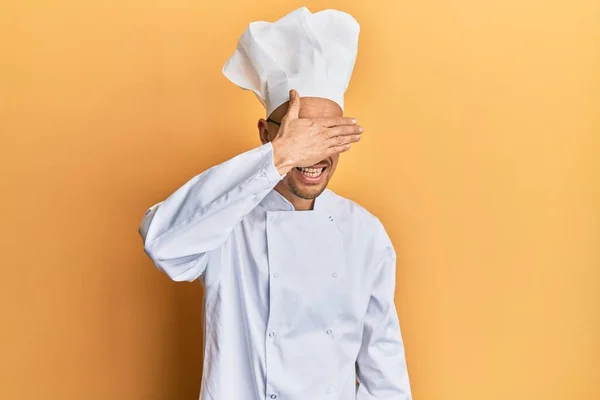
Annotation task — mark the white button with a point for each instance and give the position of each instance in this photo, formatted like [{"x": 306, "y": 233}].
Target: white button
[
  {"x": 334, "y": 275},
  {"x": 329, "y": 331},
  {"x": 272, "y": 219},
  {"x": 273, "y": 396},
  {"x": 276, "y": 274},
  {"x": 271, "y": 334}
]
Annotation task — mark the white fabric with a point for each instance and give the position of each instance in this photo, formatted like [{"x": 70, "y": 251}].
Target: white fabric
[
  {"x": 297, "y": 303},
  {"x": 312, "y": 53}
]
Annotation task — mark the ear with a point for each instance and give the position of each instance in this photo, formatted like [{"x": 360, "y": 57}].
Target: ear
[{"x": 263, "y": 130}]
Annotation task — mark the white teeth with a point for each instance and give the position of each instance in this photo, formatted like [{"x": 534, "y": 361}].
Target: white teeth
[{"x": 312, "y": 172}]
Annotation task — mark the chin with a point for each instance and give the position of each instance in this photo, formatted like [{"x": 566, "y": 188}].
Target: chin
[
  {"x": 308, "y": 184},
  {"x": 306, "y": 192}
]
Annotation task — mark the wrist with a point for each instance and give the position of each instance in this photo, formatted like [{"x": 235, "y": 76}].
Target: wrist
[{"x": 281, "y": 159}]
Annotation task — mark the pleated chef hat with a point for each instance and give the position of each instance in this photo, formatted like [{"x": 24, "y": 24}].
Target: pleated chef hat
[{"x": 312, "y": 53}]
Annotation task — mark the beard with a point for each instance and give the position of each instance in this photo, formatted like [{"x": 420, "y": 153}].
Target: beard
[{"x": 307, "y": 192}]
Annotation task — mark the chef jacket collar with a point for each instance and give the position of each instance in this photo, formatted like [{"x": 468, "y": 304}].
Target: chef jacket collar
[{"x": 276, "y": 202}]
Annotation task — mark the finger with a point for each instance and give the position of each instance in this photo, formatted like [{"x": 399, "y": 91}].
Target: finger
[
  {"x": 335, "y": 121},
  {"x": 343, "y": 140},
  {"x": 294, "y": 106},
  {"x": 344, "y": 130},
  {"x": 339, "y": 149}
]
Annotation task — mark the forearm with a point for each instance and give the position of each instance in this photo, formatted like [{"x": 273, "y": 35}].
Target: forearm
[{"x": 200, "y": 216}]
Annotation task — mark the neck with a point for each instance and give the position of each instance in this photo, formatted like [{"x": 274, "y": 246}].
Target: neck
[{"x": 299, "y": 203}]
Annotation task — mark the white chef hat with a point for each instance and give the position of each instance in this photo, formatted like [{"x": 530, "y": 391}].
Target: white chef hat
[{"x": 311, "y": 53}]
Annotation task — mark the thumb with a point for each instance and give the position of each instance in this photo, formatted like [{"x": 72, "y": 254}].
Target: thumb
[{"x": 294, "y": 106}]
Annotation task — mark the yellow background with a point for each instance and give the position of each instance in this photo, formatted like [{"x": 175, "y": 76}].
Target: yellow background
[{"x": 480, "y": 155}]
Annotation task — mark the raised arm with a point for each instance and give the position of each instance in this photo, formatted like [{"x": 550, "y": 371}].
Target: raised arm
[{"x": 199, "y": 217}]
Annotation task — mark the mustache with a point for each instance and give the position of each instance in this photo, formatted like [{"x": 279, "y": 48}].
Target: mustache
[{"x": 322, "y": 164}]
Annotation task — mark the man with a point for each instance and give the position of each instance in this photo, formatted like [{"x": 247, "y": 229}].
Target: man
[{"x": 299, "y": 282}]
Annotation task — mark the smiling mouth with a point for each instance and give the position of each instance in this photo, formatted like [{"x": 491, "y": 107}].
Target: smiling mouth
[{"x": 311, "y": 174}]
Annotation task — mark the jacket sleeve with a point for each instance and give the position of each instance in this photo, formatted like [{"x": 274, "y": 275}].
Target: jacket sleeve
[
  {"x": 199, "y": 217},
  {"x": 381, "y": 365}
]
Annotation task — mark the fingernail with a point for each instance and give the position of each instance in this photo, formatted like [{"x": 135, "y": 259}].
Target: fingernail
[{"x": 354, "y": 120}]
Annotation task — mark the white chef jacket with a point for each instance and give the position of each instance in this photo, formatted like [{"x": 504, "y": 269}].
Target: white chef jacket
[{"x": 298, "y": 304}]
